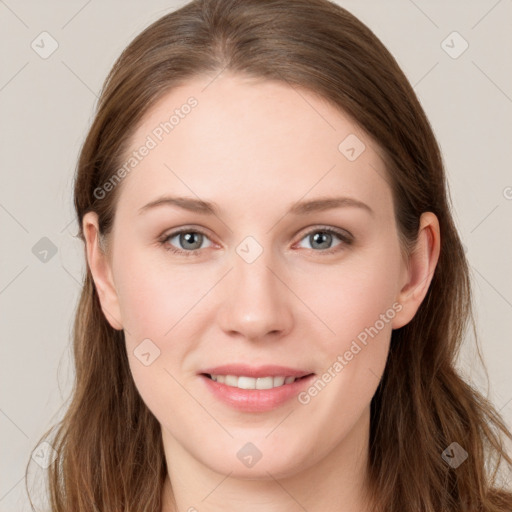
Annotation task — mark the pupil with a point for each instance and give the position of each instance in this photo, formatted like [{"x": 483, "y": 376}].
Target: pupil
[
  {"x": 319, "y": 236},
  {"x": 189, "y": 238}
]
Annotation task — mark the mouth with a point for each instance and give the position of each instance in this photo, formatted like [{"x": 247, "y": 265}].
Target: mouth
[
  {"x": 247, "y": 382},
  {"x": 255, "y": 389}
]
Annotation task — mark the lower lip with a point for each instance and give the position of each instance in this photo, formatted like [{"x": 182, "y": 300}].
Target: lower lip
[{"x": 256, "y": 400}]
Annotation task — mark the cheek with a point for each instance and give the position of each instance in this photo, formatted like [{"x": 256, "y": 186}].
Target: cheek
[
  {"x": 358, "y": 304},
  {"x": 361, "y": 317},
  {"x": 359, "y": 308},
  {"x": 153, "y": 295},
  {"x": 356, "y": 296},
  {"x": 155, "y": 302},
  {"x": 160, "y": 306}
]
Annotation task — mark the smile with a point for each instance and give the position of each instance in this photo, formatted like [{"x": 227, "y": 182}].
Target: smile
[
  {"x": 255, "y": 394},
  {"x": 244, "y": 382}
]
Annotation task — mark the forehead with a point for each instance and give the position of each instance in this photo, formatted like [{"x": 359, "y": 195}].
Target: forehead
[{"x": 247, "y": 143}]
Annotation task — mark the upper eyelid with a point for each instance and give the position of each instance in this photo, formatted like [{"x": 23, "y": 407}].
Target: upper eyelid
[{"x": 320, "y": 227}]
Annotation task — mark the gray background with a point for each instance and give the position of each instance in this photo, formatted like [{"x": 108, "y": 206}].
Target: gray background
[{"x": 46, "y": 106}]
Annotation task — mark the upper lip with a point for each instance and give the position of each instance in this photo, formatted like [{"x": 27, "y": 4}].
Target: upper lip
[{"x": 269, "y": 370}]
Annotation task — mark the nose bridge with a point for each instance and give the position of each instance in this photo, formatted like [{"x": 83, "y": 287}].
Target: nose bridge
[
  {"x": 251, "y": 263},
  {"x": 257, "y": 302}
]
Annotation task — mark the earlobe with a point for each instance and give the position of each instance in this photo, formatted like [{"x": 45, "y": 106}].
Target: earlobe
[
  {"x": 100, "y": 268},
  {"x": 421, "y": 267}
]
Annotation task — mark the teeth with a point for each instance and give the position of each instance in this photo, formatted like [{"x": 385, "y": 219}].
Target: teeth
[
  {"x": 263, "y": 383},
  {"x": 231, "y": 380},
  {"x": 244, "y": 382}
]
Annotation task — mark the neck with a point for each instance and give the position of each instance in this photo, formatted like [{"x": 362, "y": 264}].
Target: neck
[{"x": 334, "y": 483}]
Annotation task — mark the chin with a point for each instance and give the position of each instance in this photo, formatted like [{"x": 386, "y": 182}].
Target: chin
[{"x": 253, "y": 463}]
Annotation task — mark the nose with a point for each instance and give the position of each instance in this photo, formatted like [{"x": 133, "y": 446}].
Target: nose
[{"x": 256, "y": 302}]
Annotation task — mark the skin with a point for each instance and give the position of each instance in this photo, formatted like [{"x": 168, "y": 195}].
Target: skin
[{"x": 255, "y": 148}]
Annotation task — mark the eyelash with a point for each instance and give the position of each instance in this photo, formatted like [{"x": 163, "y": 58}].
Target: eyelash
[{"x": 346, "y": 239}]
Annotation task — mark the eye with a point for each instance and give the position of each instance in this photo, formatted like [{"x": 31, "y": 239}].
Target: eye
[
  {"x": 322, "y": 238},
  {"x": 190, "y": 239}
]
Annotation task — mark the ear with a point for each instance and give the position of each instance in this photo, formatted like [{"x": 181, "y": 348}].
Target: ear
[
  {"x": 100, "y": 266},
  {"x": 418, "y": 273}
]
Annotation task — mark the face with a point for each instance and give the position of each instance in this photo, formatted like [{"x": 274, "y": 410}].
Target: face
[{"x": 272, "y": 280}]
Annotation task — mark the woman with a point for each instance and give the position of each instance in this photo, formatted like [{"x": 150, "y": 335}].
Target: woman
[{"x": 255, "y": 369}]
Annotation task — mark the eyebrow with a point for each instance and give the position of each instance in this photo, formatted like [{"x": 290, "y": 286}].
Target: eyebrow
[{"x": 299, "y": 208}]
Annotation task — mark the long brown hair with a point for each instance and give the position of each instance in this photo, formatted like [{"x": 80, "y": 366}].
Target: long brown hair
[{"x": 109, "y": 449}]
